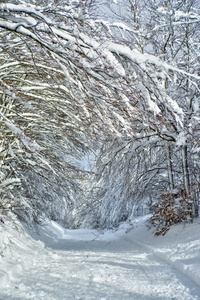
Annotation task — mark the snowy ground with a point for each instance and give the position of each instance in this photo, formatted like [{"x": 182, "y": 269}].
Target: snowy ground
[{"x": 129, "y": 263}]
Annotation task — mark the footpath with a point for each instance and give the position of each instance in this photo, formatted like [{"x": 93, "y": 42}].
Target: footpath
[{"x": 95, "y": 258}]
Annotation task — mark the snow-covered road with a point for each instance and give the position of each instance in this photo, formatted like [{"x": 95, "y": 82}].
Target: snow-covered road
[
  {"x": 94, "y": 268},
  {"x": 99, "y": 274}
]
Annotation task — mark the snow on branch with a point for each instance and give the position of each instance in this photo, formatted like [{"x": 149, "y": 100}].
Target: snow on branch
[
  {"x": 24, "y": 9},
  {"x": 28, "y": 143}
]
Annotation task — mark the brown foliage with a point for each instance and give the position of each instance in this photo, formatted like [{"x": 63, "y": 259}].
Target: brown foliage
[
  {"x": 2, "y": 221},
  {"x": 175, "y": 208}
]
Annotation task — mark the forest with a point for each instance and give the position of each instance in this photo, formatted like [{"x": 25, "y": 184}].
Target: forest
[{"x": 100, "y": 111}]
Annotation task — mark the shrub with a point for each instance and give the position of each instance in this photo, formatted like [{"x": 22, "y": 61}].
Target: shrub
[{"x": 174, "y": 208}]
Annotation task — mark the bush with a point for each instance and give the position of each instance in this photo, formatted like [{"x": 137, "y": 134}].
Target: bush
[{"x": 174, "y": 208}]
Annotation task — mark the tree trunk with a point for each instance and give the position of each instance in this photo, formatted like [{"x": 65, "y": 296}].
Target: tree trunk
[
  {"x": 186, "y": 176},
  {"x": 170, "y": 170}
]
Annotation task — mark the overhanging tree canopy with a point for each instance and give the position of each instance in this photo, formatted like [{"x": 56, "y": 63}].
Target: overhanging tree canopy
[{"x": 68, "y": 79}]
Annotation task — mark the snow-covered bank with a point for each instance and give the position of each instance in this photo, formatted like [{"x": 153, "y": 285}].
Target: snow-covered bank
[
  {"x": 180, "y": 247},
  {"x": 17, "y": 251},
  {"x": 87, "y": 264}
]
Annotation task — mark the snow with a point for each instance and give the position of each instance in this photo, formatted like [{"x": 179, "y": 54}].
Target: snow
[
  {"x": 105, "y": 53},
  {"x": 9, "y": 182},
  {"x": 119, "y": 25},
  {"x": 25, "y": 9},
  {"x": 183, "y": 15},
  {"x": 128, "y": 263},
  {"x": 18, "y": 28},
  {"x": 181, "y": 139},
  {"x": 142, "y": 59},
  {"x": 28, "y": 143},
  {"x": 134, "y": 55}
]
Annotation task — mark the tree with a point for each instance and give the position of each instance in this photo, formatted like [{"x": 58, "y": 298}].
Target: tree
[
  {"x": 180, "y": 41},
  {"x": 38, "y": 120},
  {"x": 80, "y": 86}
]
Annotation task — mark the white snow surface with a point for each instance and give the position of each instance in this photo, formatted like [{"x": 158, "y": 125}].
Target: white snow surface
[{"x": 128, "y": 263}]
